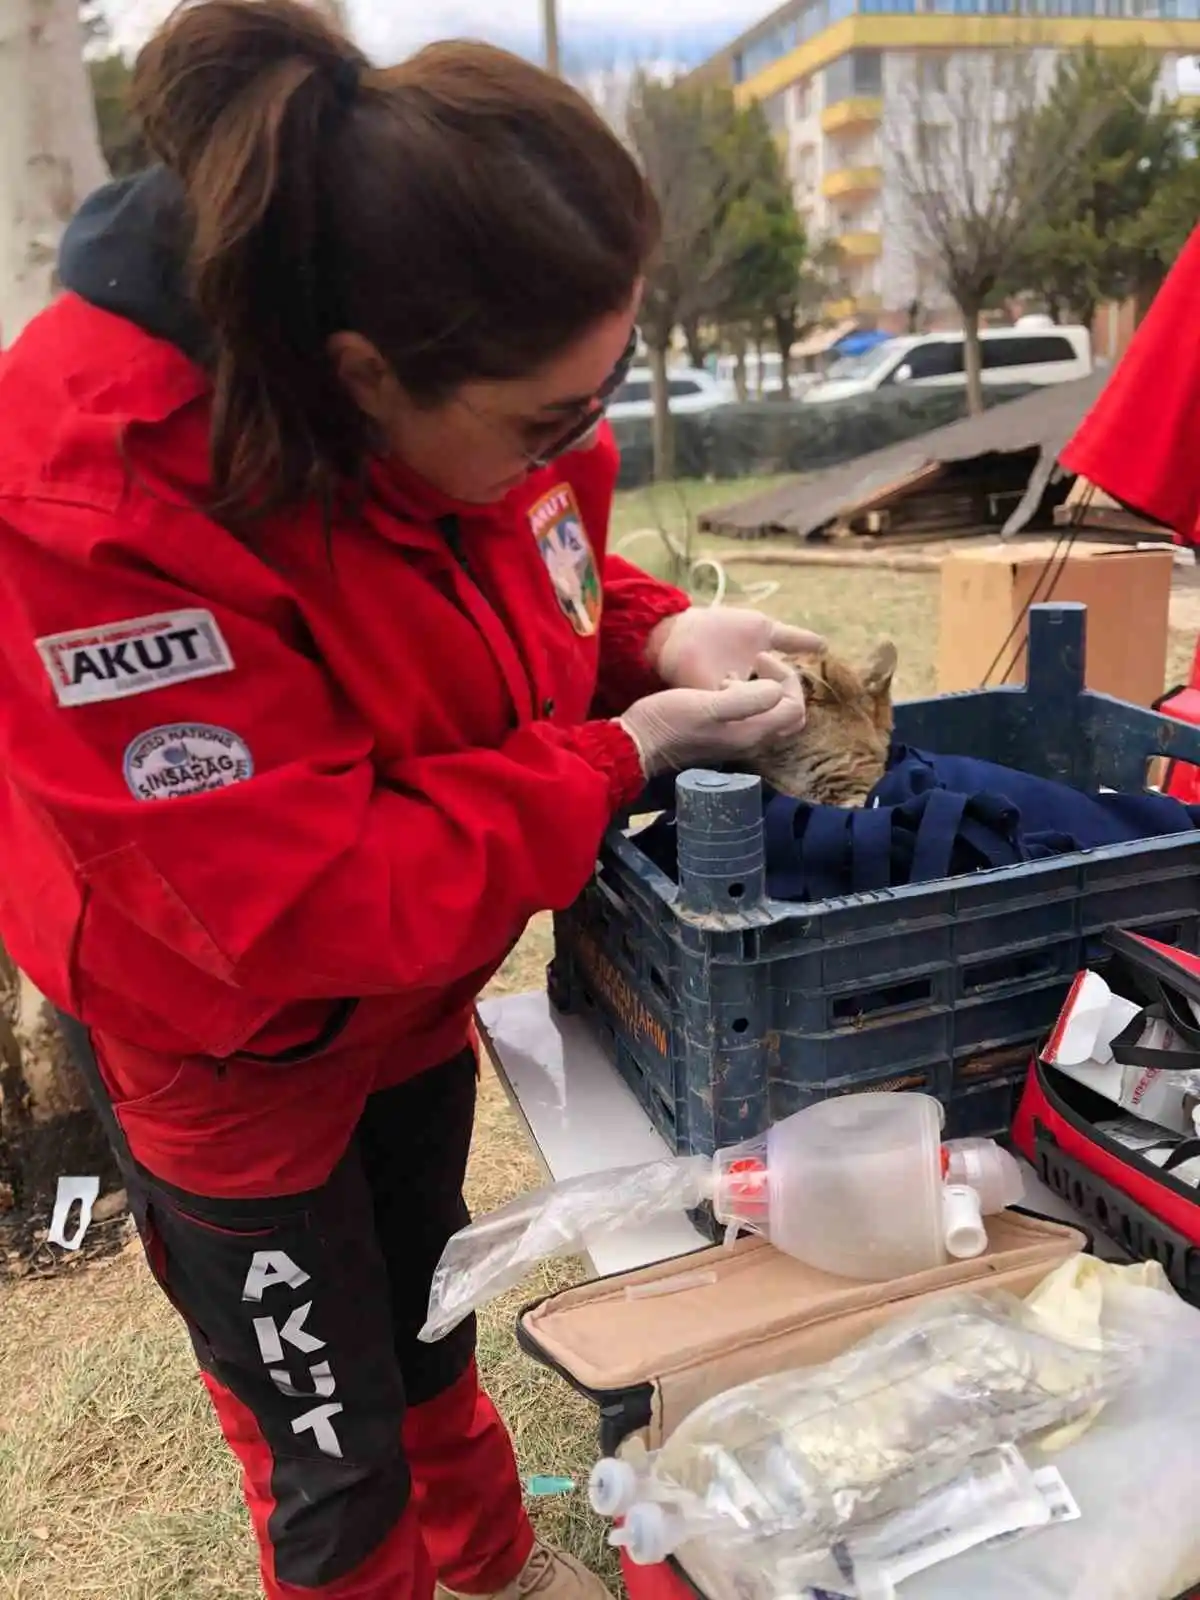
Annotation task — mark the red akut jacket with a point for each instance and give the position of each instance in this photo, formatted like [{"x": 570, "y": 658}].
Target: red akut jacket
[{"x": 242, "y": 781}]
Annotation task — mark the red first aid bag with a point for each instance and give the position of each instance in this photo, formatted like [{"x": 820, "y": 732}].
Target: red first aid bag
[{"x": 1127, "y": 1178}]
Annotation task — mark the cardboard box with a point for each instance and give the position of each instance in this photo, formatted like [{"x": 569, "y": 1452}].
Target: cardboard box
[{"x": 986, "y": 593}]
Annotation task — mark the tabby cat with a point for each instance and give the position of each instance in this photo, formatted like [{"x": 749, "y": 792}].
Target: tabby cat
[{"x": 841, "y": 753}]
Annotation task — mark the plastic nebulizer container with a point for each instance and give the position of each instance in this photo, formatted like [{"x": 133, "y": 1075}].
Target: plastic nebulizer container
[{"x": 862, "y": 1186}]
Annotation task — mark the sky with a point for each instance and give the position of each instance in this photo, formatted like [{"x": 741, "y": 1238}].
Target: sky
[{"x": 594, "y": 33}]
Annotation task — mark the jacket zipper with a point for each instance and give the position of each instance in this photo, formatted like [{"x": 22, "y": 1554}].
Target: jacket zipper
[{"x": 451, "y": 533}]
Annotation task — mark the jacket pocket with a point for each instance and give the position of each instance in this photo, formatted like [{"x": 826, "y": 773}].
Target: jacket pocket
[{"x": 144, "y": 969}]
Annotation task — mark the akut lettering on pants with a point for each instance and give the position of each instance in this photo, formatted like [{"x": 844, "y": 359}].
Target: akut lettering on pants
[{"x": 275, "y": 1269}]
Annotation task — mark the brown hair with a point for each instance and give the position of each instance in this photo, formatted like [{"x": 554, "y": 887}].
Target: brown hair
[{"x": 467, "y": 213}]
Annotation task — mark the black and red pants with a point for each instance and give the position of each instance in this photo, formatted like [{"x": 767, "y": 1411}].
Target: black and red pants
[{"x": 373, "y": 1465}]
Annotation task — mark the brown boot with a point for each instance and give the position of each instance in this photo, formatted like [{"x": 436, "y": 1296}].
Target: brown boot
[{"x": 547, "y": 1575}]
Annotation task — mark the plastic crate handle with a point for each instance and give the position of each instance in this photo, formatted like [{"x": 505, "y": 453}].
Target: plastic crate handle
[
  {"x": 719, "y": 837},
  {"x": 618, "y": 902}
]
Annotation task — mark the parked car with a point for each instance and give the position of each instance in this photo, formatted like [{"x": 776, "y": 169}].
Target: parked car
[
  {"x": 691, "y": 389},
  {"x": 1035, "y": 351},
  {"x": 763, "y": 376}
]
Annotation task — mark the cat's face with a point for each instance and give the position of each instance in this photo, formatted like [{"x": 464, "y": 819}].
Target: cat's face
[{"x": 841, "y": 752}]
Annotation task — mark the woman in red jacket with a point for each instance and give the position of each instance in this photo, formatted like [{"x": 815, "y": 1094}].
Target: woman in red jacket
[{"x": 303, "y": 506}]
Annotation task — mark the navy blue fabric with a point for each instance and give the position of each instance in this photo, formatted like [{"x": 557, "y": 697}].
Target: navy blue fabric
[
  {"x": 935, "y": 817},
  {"x": 1047, "y": 810}
]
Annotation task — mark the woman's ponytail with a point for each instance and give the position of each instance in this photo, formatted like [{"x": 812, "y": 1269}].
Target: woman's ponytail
[
  {"x": 239, "y": 100},
  {"x": 465, "y": 213}
]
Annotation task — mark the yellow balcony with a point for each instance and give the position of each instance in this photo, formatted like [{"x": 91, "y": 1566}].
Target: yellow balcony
[
  {"x": 851, "y": 181},
  {"x": 861, "y": 246},
  {"x": 859, "y": 305},
  {"x": 863, "y": 111},
  {"x": 930, "y": 31}
]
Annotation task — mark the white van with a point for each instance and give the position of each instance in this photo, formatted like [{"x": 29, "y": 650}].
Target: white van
[{"x": 1035, "y": 351}]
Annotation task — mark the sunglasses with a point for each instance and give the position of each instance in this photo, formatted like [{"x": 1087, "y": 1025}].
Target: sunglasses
[{"x": 593, "y": 416}]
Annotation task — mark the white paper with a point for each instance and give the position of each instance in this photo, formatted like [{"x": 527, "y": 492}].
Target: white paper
[{"x": 85, "y": 1191}]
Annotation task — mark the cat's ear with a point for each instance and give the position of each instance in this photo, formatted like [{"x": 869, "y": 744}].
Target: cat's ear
[{"x": 881, "y": 669}]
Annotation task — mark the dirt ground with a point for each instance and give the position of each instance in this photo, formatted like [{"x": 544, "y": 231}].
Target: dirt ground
[{"x": 114, "y": 1483}]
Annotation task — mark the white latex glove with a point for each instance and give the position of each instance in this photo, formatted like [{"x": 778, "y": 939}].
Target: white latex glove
[
  {"x": 703, "y": 647},
  {"x": 681, "y": 728}
]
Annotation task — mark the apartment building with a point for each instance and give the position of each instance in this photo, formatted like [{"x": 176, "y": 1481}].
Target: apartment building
[{"x": 839, "y": 81}]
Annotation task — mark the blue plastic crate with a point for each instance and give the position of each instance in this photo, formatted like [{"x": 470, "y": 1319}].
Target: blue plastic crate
[{"x": 725, "y": 1010}]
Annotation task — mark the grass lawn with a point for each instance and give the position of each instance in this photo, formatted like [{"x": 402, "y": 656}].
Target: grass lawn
[{"x": 114, "y": 1484}]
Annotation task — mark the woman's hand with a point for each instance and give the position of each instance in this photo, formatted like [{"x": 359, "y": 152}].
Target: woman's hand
[
  {"x": 705, "y": 646},
  {"x": 680, "y": 728}
]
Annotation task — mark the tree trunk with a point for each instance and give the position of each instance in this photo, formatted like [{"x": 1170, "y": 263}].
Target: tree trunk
[
  {"x": 740, "y": 387},
  {"x": 972, "y": 359},
  {"x": 695, "y": 344},
  {"x": 1144, "y": 297},
  {"x": 49, "y": 149},
  {"x": 785, "y": 338},
  {"x": 1081, "y": 309},
  {"x": 664, "y": 428},
  {"x": 48, "y": 1126}
]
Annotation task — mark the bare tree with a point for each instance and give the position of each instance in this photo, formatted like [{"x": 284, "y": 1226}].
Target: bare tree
[
  {"x": 692, "y": 147},
  {"x": 973, "y": 176}
]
